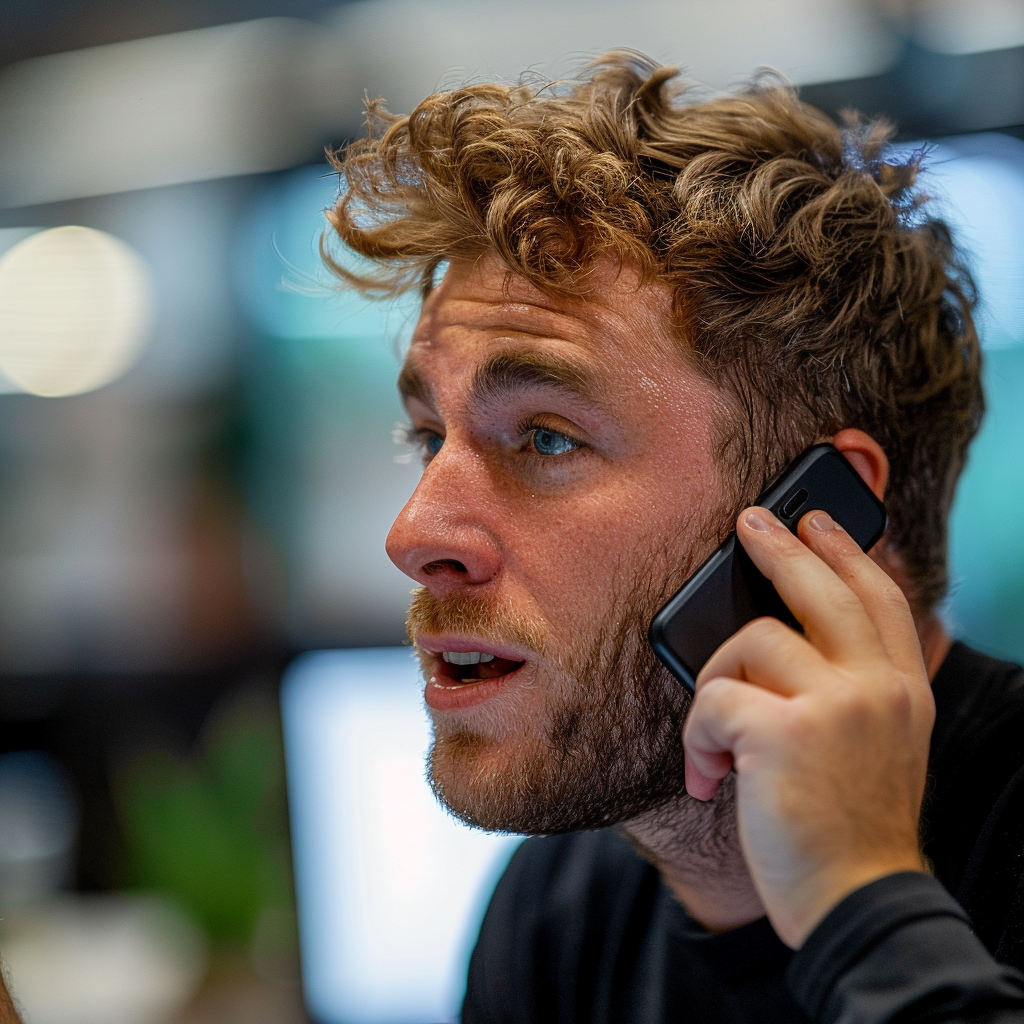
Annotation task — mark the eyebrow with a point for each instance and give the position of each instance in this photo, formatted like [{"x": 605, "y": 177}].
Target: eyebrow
[
  {"x": 412, "y": 384},
  {"x": 507, "y": 373}
]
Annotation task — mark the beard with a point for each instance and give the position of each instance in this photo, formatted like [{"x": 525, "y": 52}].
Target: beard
[{"x": 607, "y": 747}]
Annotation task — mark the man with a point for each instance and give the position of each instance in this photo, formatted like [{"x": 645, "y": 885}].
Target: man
[{"x": 637, "y": 309}]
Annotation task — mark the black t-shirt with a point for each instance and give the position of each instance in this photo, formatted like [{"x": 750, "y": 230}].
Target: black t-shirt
[{"x": 581, "y": 928}]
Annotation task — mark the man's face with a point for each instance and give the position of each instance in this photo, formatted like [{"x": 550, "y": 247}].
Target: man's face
[{"x": 570, "y": 486}]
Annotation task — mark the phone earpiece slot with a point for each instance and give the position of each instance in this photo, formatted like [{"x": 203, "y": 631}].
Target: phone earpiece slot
[{"x": 793, "y": 503}]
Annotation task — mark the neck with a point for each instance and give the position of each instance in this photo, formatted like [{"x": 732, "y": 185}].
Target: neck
[{"x": 695, "y": 846}]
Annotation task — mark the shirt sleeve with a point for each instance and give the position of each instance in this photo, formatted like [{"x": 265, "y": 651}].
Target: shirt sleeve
[{"x": 901, "y": 949}]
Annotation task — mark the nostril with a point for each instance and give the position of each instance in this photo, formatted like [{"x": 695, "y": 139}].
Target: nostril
[{"x": 432, "y": 568}]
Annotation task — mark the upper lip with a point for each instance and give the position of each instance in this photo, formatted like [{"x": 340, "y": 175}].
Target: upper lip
[{"x": 462, "y": 644}]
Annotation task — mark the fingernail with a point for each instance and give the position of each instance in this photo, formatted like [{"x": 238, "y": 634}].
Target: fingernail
[
  {"x": 756, "y": 521},
  {"x": 823, "y": 522}
]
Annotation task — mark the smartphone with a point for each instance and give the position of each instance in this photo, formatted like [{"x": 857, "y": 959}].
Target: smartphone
[{"x": 728, "y": 591}]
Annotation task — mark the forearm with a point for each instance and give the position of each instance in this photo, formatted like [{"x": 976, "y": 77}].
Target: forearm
[{"x": 901, "y": 948}]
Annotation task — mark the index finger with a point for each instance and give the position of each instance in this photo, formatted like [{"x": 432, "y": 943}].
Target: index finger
[
  {"x": 832, "y": 616},
  {"x": 881, "y": 597}
]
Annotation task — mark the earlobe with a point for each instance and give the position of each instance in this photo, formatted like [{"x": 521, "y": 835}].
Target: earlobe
[{"x": 866, "y": 456}]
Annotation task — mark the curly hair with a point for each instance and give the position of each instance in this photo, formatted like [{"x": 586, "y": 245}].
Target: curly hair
[{"x": 810, "y": 283}]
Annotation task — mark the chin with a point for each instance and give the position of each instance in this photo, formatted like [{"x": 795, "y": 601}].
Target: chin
[
  {"x": 483, "y": 781},
  {"x": 526, "y": 786},
  {"x": 554, "y": 750}
]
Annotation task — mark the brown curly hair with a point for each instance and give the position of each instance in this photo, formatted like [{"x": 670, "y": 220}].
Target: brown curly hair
[{"x": 810, "y": 284}]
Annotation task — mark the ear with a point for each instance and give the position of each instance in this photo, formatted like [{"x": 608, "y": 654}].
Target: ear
[{"x": 865, "y": 454}]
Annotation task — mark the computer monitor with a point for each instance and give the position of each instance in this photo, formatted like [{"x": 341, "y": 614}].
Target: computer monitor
[{"x": 391, "y": 889}]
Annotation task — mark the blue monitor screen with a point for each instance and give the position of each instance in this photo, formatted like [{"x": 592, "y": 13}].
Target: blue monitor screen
[{"x": 391, "y": 889}]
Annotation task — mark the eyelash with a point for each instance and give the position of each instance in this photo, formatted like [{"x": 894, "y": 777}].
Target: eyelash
[
  {"x": 419, "y": 437},
  {"x": 416, "y": 438},
  {"x": 529, "y": 428}
]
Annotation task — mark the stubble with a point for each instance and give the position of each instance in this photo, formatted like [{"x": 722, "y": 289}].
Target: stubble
[{"x": 607, "y": 749}]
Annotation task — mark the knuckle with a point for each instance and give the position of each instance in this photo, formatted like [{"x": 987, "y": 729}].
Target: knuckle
[
  {"x": 767, "y": 636},
  {"x": 707, "y": 695},
  {"x": 892, "y": 598},
  {"x": 886, "y": 695},
  {"x": 899, "y": 699},
  {"x": 712, "y": 708},
  {"x": 846, "y": 603},
  {"x": 766, "y": 630},
  {"x": 850, "y": 701},
  {"x": 799, "y": 724}
]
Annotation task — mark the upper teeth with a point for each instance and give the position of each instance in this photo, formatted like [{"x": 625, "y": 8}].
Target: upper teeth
[{"x": 466, "y": 657}]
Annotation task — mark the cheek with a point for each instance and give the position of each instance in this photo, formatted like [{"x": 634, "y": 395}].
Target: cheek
[{"x": 577, "y": 554}]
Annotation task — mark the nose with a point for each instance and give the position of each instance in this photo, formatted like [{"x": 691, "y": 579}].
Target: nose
[{"x": 441, "y": 538}]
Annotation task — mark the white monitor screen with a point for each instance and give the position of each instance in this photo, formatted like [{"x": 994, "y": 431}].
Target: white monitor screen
[{"x": 391, "y": 889}]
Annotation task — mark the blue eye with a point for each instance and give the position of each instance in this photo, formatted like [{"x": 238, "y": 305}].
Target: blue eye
[
  {"x": 551, "y": 442},
  {"x": 432, "y": 443}
]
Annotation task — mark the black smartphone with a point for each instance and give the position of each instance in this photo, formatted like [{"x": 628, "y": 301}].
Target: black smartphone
[{"x": 728, "y": 591}]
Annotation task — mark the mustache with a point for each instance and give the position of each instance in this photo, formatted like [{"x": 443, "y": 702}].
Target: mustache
[{"x": 460, "y": 613}]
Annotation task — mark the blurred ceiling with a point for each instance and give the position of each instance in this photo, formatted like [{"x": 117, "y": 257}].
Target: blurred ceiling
[
  {"x": 161, "y": 94},
  {"x": 35, "y": 28}
]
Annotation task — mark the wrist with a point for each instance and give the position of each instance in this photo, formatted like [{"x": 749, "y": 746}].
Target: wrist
[{"x": 827, "y": 891}]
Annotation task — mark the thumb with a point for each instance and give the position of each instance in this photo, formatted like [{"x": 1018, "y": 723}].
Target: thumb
[{"x": 701, "y": 786}]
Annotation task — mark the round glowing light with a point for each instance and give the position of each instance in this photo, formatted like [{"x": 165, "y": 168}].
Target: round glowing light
[{"x": 75, "y": 308}]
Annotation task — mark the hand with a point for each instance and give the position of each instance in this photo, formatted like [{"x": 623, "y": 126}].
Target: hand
[{"x": 828, "y": 732}]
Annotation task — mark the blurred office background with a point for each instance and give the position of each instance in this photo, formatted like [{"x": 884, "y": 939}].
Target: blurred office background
[{"x": 171, "y": 539}]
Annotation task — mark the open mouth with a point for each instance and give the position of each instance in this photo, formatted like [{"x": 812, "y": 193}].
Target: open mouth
[{"x": 471, "y": 666}]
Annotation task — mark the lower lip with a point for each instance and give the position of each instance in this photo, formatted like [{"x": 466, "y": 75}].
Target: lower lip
[{"x": 442, "y": 694}]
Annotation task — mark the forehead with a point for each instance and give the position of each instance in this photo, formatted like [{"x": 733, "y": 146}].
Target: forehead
[{"x": 480, "y": 309}]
